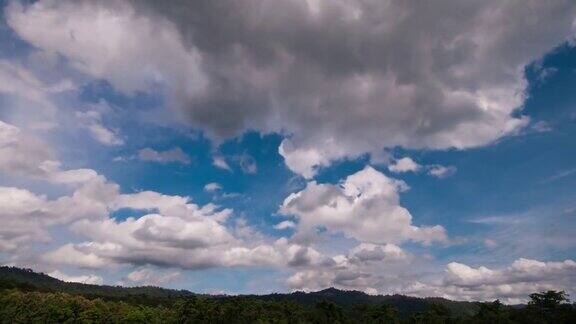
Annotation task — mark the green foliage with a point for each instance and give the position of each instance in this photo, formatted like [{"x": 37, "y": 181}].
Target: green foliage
[
  {"x": 39, "y": 307},
  {"x": 383, "y": 313},
  {"x": 550, "y": 307},
  {"x": 494, "y": 312},
  {"x": 18, "y": 306}
]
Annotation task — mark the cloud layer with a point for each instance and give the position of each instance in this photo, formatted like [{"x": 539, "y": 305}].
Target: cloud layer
[
  {"x": 511, "y": 284},
  {"x": 341, "y": 77}
]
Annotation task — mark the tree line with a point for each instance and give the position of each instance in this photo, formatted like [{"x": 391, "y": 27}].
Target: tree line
[
  {"x": 31, "y": 297},
  {"x": 18, "y": 306}
]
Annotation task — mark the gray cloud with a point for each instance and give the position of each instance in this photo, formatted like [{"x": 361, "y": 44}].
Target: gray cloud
[
  {"x": 342, "y": 77},
  {"x": 247, "y": 163},
  {"x": 169, "y": 156},
  {"x": 349, "y": 77}
]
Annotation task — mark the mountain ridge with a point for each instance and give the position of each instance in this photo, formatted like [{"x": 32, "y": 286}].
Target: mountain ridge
[{"x": 29, "y": 280}]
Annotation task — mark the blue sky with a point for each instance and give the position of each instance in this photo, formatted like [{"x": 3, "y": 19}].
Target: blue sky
[{"x": 257, "y": 155}]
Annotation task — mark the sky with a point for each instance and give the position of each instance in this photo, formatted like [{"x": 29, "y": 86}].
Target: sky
[{"x": 257, "y": 146}]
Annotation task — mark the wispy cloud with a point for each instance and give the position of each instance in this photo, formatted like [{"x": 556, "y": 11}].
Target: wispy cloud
[
  {"x": 559, "y": 175},
  {"x": 169, "y": 156}
]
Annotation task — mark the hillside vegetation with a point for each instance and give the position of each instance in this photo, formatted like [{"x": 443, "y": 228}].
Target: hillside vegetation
[{"x": 30, "y": 297}]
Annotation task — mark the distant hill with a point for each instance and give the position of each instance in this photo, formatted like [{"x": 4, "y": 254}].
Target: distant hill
[
  {"x": 30, "y": 297},
  {"x": 404, "y": 304},
  {"x": 28, "y": 280}
]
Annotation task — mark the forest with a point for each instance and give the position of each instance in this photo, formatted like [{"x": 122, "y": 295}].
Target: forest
[{"x": 30, "y": 297}]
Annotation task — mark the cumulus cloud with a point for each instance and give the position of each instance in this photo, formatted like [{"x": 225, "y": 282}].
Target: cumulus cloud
[
  {"x": 26, "y": 216},
  {"x": 175, "y": 233},
  {"x": 54, "y": 173},
  {"x": 394, "y": 75},
  {"x": 360, "y": 269},
  {"x": 19, "y": 225},
  {"x": 180, "y": 234},
  {"x": 110, "y": 41},
  {"x": 511, "y": 284},
  {"x": 212, "y": 187},
  {"x": 77, "y": 255},
  {"x": 22, "y": 154},
  {"x": 404, "y": 164},
  {"x": 151, "y": 240},
  {"x": 373, "y": 252},
  {"x": 169, "y": 156},
  {"x": 27, "y": 155},
  {"x": 365, "y": 206}
]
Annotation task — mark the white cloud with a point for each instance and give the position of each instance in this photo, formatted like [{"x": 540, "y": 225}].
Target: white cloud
[
  {"x": 285, "y": 225},
  {"x": 559, "y": 175},
  {"x": 92, "y": 121},
  {"x": 310, "y": 280},
  {"x": 373, "y": 252},
  {"x": 151, "y": 277},
  {"x": 511, "y": 284},
  {"x": 367, "y": 267},
  {"x": 220, "y": 163},
  {"x": 404, "y": 164},
  {"x": 90, "y": 279},
  {"x": 305, "y": 162},
  {"x": 170, "y": 241},
  {"x": 365, "y": 206},
  {"x": 54, "y": 173},
  {"x": 173, "y": 155},
  {"x": 78, "y": 255},
  {"x": 154, "y": 230},
  {"x": 26, "y": 155},
  {"x": 440, "y": 171},
  {"x": 8, "y": 133},
  {"x": 212, "y": 187},
  {"x": 19, "y": 224},
  {"x": 111, "y": 43},
  {"x": 22, "y": 154},
  {"x": 542, "y": 127},
  {"x": 176, "y": 233},
  {"x": 26, "y": 216},
  {"x": 18, "y": 81}
]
